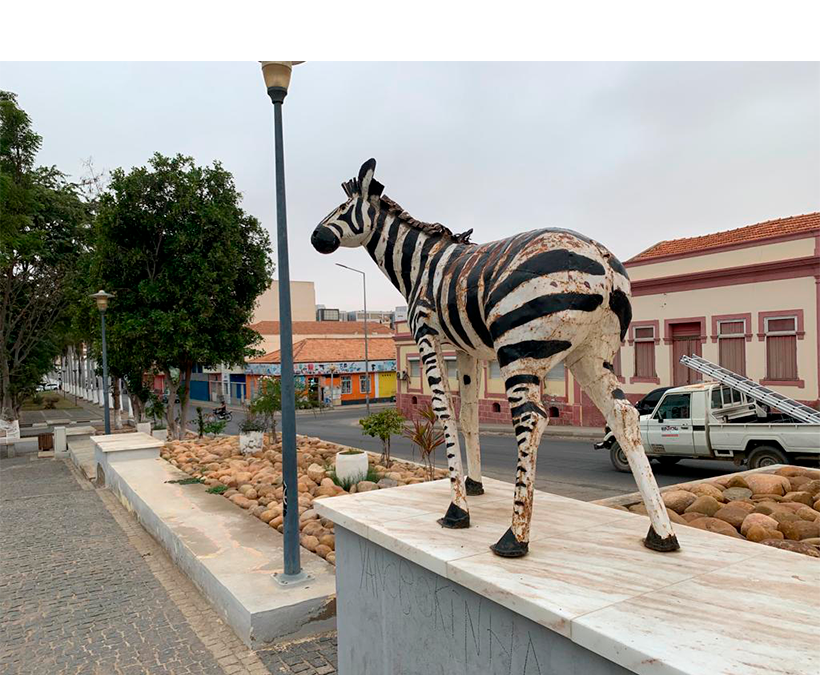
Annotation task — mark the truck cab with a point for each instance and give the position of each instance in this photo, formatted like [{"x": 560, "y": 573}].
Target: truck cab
[{"x": 713, "y": 421}]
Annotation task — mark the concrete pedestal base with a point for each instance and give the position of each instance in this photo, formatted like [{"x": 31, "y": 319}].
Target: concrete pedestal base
[
  {"x": 589, "y": 598},
  {"x": 394, "y": 616}
]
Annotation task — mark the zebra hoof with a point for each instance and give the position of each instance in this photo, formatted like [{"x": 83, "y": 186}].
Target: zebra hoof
[
  {"x": 474, "y": 487},
  {"x": 509, "y": 547},
  {"x": 655, "y": 543},
  {"x": 456, "y": 518}
]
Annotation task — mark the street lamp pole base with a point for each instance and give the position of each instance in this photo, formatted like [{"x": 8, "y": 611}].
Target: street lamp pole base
[{"x": 291, "y": 580}]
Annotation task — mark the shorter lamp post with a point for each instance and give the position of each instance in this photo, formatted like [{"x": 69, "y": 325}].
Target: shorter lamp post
[
  {"x": 102, "y": 304},
  {"x": 366, "y": 360}
]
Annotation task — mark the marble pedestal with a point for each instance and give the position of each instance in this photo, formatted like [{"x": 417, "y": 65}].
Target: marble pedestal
[{"x": 589, "y": 598}]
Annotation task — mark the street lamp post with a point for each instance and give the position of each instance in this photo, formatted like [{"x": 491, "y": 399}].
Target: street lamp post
[
  {"x": 366, "y": 360},
  {"x": 102, "y": 304},
  {"x": 277, "y": 78}
]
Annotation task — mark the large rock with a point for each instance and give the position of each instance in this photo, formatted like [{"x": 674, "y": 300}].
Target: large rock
[
  {"x": 789, "y": 471},
  {"x": 768, "y": 483},
  {"x": 757, "y": 533},
  {"x": 316, "y": 473},
  {"x": 708, "y": 490},
  {"x": 794, "y": 546},
  {"x": 812, "y": 487},
  {"x": 799, "y": 529},
  {"x": 715, "y": 525},
  {"x": 705, "y": 504},
  {"x": 799, "y": 496},
  {"x": 366, "y": 486},
  {"x": 734, "y": 513},
  {"x": 735, "y": 493},
  {"x": 737, "y": 481},
  {"x": 798, "y": 481},
  {"x": 387, "y": 483},
  {"x": 689, "y": 517},
  {"x": 807, "y": 513},
  {"x": 678, "y": 500},
  {"x": 759, "y": 519}
]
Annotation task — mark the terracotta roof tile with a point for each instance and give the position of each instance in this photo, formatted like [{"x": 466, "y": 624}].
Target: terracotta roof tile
[
  {"x": 323, "y": 350},
  {"x": 324, "y": 328},
  {"x": 764, "y": 230}
]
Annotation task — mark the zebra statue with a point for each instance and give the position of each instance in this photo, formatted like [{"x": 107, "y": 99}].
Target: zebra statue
[{"x": 529, "y": 301}]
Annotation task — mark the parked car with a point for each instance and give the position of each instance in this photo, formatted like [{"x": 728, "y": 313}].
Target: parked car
[
  {"x": 48, "y": 386},
  {"x": 714, "y": 421}
]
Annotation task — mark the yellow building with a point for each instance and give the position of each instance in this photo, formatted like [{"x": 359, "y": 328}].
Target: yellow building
[{"x": 748, "y": 299}]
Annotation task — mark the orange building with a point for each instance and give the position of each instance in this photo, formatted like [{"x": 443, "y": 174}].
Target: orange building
[{"x": 334, "y": 369}]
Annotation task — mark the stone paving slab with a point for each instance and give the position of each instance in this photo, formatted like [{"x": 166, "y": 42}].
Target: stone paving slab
[{"x": 85, "y": 589}]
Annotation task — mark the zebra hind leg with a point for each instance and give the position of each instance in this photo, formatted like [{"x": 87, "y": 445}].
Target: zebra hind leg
[
  {"x": 529, "y": 421},
  {"x": 601, "y": 385}
]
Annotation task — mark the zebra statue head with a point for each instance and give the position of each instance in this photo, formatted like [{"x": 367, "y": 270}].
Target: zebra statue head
[{"x": 351, "y": 223}]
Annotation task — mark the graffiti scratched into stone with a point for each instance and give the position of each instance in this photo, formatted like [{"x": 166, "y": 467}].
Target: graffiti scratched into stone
[{"x": 530, "y": 302}]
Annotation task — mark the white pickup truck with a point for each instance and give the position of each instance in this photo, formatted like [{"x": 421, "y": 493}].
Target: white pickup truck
[{"x": 713, "y": 421}]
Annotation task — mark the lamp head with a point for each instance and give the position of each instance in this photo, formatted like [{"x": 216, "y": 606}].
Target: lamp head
[
  {"x": 102, "y": 299},
  {"x": 277, "y": 77}
]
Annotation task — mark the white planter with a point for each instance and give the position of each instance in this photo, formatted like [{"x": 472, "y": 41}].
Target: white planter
[
  {"x": 144, "y": 427},
  {"x": 351, "y": 467},
  {"x": 251, "y": 442},
  {"x": 160, "y": 434}
]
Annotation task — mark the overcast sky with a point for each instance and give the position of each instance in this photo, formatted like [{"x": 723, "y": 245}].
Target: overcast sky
[{"x": 627, "y": 153}]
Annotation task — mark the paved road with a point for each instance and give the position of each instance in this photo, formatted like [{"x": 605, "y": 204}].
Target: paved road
[{"x": 568, "y": 467}]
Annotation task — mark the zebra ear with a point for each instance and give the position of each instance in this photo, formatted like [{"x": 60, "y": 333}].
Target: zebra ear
[{"x": 369, "y": 187}]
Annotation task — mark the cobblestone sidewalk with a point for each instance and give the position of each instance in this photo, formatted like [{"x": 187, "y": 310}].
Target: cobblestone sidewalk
[{"x": 84, "y": 589}]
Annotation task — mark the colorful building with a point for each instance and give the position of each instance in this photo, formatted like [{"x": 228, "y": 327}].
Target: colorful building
[
  {"x": 748, "y": 299},
  {"x": 333, "y": 369}
]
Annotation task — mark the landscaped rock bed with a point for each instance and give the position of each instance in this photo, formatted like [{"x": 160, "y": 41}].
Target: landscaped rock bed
[
  {"x": 254, "y": 482},
  {"x": 779, "y": 508}
]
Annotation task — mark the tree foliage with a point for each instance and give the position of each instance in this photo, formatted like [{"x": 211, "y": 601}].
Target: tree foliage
[
  {"x": 383, "y": 425},
  {"x": 44, "y": 227},
  {"x": 186, "y": 264}
]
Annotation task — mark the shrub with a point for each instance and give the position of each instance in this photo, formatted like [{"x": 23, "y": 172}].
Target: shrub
[
  {"x": 383, "y": 425},
  {"x": 268, "y": 401},
  {"x": 371, "y": 475},
  {"x": 252, "y": 423},
  {"x": 37, "y": 399},
  {"x": 50, "y": 402},
  {"x": 426, "y": 437},
  {"x": 217, "y": 489},
  {"x": 214, "y": 427}
]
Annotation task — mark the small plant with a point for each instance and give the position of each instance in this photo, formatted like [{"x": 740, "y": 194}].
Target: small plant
[
  {"x": 252, "y": 423},
  {"x": 155, "y": 409},
  {"x": 214, "y": 427},
  {"x": 200, "y": 421},
  {"x": 268, "y": 402},
  {"x": 217, "y": 489},
  {"x": 186, "y": 481},
  {"x": 383, "y": 425},
  {"x": 371, "y": 475},
  {"x": 50, "y": 402},
  {"x": 426, "y": 437},
  {"x": 37, "y": 399}
]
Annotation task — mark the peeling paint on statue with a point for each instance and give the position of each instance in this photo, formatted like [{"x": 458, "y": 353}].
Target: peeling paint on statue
[{"x": 530, "y": 301}]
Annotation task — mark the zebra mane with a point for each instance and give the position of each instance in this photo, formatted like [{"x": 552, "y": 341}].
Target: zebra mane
[{"x": 436, "y": 229}]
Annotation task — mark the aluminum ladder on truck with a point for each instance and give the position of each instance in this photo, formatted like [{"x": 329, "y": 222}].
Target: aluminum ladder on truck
[{"x": 752, "y": 389}]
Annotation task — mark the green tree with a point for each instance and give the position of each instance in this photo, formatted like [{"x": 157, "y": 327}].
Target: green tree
[
  {"x": 383, "y": 425},
  {"x": 268, "y": 402},
  {"x": 44, "y": 227},
  {"x": 186, "y": 264}
]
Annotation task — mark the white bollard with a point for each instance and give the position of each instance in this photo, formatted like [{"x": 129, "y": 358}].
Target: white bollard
[{"x": 60, "y": 446}]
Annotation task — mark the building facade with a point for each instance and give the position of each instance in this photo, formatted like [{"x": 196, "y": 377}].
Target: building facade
[
  {"x": 333, "y": 370},
  {"x": 302, "y": 302},
  {"x": 748, "y": 299}
]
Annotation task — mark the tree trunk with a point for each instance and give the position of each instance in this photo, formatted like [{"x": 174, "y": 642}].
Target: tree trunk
[
  {"x": 6, "y": 404},
  {"x": 136, "y": 406},
  {"x": 115, "y": 390},
  {"x": 170, "y": 409},
  {"x": 184, "y": 398}
]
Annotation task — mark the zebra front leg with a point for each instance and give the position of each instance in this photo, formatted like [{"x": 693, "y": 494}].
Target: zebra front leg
[
  {"x": 468, "y": 373},
  {"x": 457, "y": 515},
  {"x": 529, "y": 421}
]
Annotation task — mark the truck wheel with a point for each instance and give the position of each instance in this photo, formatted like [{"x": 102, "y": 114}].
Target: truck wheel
[
  {"x": 618, "y": 458},
  {"x": 765, "y": 455}
]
